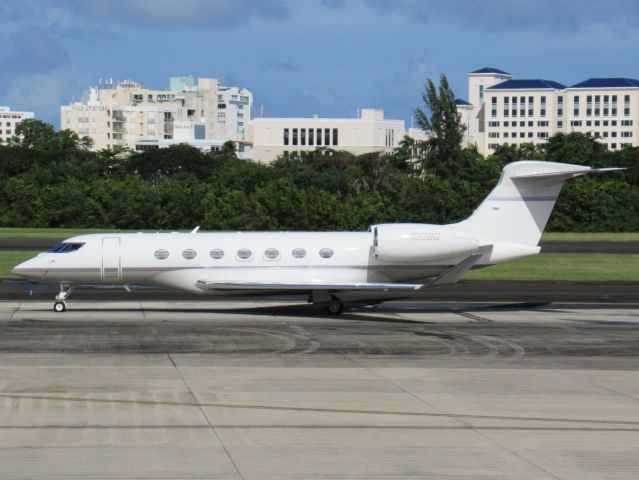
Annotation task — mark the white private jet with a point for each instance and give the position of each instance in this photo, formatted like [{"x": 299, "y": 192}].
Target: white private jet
[{"x": 389, "y": 259}]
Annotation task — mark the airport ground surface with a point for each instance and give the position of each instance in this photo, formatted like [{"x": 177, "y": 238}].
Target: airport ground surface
[{"x": 182, "y": 389}]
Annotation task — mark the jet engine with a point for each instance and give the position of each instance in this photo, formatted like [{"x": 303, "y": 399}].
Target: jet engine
[{"x": 419, "y": 242}]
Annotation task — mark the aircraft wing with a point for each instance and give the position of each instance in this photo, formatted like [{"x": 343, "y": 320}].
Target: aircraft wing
[{"x": 243, "y": 285}]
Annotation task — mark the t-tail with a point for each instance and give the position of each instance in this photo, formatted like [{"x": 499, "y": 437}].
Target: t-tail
[{"x": 513, "y": 216}]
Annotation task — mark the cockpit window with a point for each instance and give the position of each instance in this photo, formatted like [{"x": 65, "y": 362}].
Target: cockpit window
[{"x": 66, "y": 247}]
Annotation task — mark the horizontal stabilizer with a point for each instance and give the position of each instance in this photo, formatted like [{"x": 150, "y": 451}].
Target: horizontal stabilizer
[
  {"x": 568, "y": 173},
  {"x": 456, "y": 272},
  {"x": 239, "y": 285}
]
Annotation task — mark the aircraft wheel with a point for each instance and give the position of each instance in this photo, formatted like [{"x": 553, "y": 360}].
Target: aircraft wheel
[
  {"x": 59, "y": 307},
  {"x": 335, "y": 308}
]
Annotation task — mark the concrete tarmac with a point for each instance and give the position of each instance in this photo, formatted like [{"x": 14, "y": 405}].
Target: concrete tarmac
[{"x": 274, "y": 390}]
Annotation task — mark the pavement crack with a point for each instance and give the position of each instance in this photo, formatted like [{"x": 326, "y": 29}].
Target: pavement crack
[{"x": 206, "y": 417}]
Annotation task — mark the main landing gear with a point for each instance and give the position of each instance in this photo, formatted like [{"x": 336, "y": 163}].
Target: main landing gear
[
  {"x": 60, "y": 304},
  {"x": 335, "y": 307},
  {"x": 332, "y": 304}
]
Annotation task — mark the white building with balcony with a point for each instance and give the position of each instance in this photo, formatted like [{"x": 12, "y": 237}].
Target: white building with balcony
[
  {"x": 126, "y": 113},
  {"x": 9, "y": 120},
  {"x": 513, "y": 111},
  {"x": 369, "y": 132}
]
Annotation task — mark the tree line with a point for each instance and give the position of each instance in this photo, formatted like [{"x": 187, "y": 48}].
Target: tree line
[{"x": 53, "y": 179}]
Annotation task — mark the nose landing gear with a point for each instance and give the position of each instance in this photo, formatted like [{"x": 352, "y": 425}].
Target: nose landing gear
[{"x": 60, "y": 304}]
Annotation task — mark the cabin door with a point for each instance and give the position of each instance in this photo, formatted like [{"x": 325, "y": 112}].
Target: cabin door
[{"x": 111, "y": 265}]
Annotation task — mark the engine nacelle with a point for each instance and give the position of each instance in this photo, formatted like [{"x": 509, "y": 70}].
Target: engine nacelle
[{"x": 420, "y": 242}]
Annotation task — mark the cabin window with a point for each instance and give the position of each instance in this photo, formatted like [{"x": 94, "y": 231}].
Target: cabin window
[
  {"x": 271, "y": 254},
  {"x": 326, "y": 252},
  {"x": 161, "y": 254},
  {"x": 217, "y": 253},
  {"x": 66, "y": 247},
  {"x": 189, "y": 254},
  {"x": 244, "y": 254},
  {"x": 299, "y": 252}
]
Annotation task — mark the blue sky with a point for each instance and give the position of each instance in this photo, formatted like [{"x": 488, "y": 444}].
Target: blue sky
[{"x": 305, "y": 57}]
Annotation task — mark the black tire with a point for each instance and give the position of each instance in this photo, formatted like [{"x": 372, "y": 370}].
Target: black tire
[
  {"x": 335, "y": 308},
  {"x": 59, "y": 307}
]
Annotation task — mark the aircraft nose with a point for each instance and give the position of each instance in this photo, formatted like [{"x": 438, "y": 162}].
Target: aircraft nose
[
  {"x": 18, "y": 269},
  {"x": 28, "y": 269}
]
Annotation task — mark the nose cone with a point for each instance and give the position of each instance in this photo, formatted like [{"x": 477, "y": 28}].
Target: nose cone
[{"x": 29, "y": 270}]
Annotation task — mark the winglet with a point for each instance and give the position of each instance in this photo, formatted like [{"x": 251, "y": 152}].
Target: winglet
[{"x": 196, "y": 229}]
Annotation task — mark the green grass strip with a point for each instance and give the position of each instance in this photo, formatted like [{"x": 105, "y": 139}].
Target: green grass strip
[
  {"x": 9, "y": 259},
  {"x": 591, "y": 237},
  {"x": 597, "y": 267}
]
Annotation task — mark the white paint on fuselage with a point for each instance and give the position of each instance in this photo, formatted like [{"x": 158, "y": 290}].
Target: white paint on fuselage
[{"x": 353, "y": 260}]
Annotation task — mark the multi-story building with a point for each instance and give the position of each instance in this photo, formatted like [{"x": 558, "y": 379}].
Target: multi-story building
[
  {"x": 9, "y": 121},
  {"x": 502, "y": 110},
  {"x": 370, "y": 132},
  {"x": 122, "y": 115}
]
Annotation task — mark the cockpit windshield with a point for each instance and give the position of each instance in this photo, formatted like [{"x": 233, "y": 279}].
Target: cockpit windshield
[{"x": 66, "y": 247}]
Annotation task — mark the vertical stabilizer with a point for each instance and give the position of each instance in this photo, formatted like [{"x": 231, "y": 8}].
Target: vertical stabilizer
[{"x": 518, "y": 208}]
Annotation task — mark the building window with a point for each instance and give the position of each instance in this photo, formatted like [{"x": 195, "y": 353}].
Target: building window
[
  {"x": 481, "y": 94},
  {"x": 310, "y": 136},
  {"x": 626, "y": 105},
  {"x": 286, "y": 136},
  {"x": 506, "y": 106},
  {"x": 560, "y": 124},
  {"x": 335, "y": 136},
  {"x": 505, "y": 134},
  {"x": 493, "y": 124},
  {"x": 295, "y": 141},
  {"x": 493, "y": 135},
  {"x": 327, "y": 136},
  {"x": 542, "y": 112},
  {"x": 530, "y": 124},
  {"x": 626, "y": 134},
  {"x": 302, "y": 136}
]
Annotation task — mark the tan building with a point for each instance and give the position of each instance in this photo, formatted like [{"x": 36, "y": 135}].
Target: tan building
[
  {"x": 512, "y": 111},
  {"x": 370, "y": 132},
  {"x": 122, "y": 115},
  {"x": 9, "y": 121}
]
